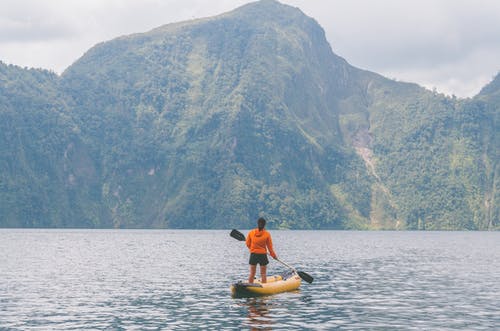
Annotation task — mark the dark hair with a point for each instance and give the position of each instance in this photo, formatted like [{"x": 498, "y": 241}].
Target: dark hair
[{"x": 261, "y": 222}]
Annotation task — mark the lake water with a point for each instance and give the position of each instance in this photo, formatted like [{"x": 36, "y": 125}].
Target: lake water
[{"x": 179, "y": 280}]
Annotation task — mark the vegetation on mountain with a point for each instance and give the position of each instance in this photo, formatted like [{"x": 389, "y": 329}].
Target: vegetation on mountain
[{"x": 214, "y": 122}]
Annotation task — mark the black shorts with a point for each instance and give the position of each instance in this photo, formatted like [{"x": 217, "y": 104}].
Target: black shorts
[{"x": 258, "y": 259}]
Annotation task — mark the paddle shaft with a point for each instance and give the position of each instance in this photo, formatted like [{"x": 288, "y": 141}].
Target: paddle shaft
[{"x": 286, "y": 265}]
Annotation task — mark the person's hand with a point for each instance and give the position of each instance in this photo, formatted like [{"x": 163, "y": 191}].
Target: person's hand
[{"x": 274, "y": 256}]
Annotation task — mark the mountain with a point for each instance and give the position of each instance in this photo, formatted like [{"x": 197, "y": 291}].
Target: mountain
[{"x": 213, "y": 122}]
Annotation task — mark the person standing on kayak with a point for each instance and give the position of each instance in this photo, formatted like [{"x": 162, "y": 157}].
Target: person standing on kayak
[{"x": 258, "y": 242}]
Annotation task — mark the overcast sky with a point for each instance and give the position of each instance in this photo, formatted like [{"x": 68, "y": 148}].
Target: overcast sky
[{"x": 450, "y": 45}]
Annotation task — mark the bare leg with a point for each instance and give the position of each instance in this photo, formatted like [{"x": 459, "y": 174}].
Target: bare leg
[
  {"x": 253, "y": 269},
  {"x": 263, "y": 275}
]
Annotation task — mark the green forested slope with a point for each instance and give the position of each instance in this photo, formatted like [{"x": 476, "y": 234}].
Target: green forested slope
[
  {"x": 211, "y": 123},
  {"x": 434, "y": 158},
  {"x": 42, "y": 159},
  {"x": 486, "y": 131}
]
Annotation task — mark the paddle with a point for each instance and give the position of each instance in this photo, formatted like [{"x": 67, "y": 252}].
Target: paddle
[
  {"x": 237, "y": 235},
  {"x": 305, "y": 276}
]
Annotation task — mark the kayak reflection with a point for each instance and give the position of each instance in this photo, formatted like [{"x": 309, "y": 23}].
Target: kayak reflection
[{"x": 258, "y": 313}]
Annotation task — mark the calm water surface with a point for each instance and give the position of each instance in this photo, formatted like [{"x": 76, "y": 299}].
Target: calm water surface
[{"x": 176, "y": 280}]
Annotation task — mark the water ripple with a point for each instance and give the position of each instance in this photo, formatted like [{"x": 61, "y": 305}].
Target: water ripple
[{"x": 169, "y": 280}]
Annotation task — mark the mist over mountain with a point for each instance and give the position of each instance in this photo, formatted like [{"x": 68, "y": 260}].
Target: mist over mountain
[{"x": 213, "y": 122}]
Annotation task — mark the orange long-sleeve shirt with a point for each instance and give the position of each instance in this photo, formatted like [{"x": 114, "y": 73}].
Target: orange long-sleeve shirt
[{"x": 259, "y": 242}]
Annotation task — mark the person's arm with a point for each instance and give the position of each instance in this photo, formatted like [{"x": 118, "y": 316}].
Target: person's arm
[
  {"x": 270, "y": 247},
  {"x": 249, "y": 239}
]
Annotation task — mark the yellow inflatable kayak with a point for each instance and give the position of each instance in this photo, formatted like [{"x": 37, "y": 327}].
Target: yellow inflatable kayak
[{"x": 275, "y": 284}]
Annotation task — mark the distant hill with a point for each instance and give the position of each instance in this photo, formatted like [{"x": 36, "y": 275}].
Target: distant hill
[{"x": 213, "y": 122}]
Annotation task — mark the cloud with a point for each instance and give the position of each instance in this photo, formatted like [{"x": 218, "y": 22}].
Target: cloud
[
  {"x": 463, "y": 77},
  {"x": 453, "y": 46},
  {"x": 32, "y": 24},
  {"x": 392, "y": 32}
]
